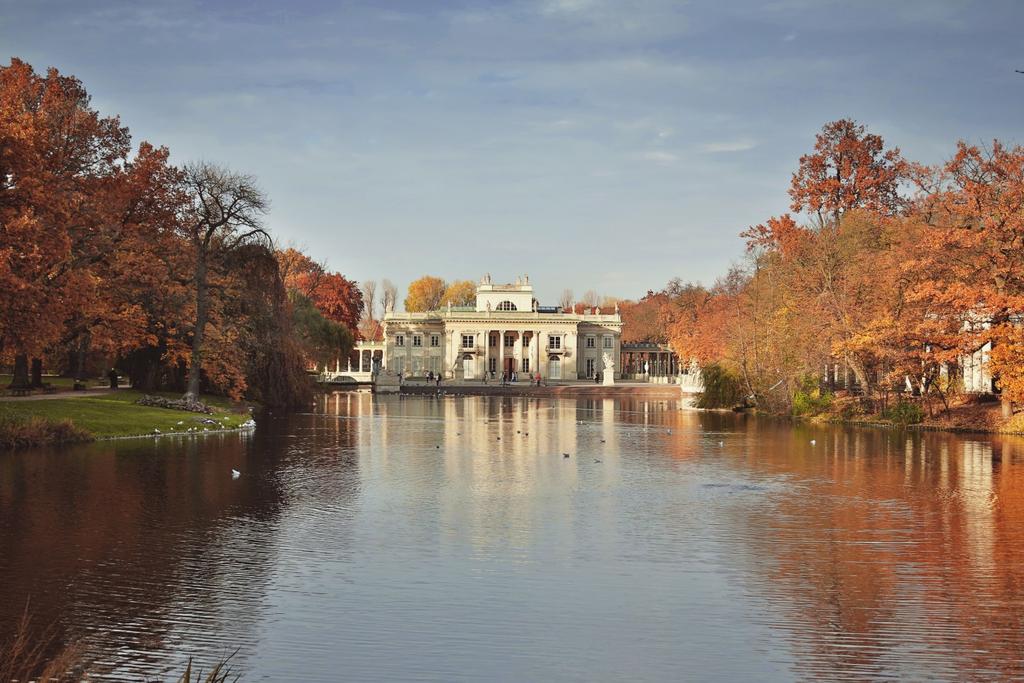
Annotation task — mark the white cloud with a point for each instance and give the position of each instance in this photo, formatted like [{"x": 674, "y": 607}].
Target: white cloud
[
  {"x": 728, "y": 146},
  {"x": 565, "y": 6},
  {"x": 659, "y": 157}
]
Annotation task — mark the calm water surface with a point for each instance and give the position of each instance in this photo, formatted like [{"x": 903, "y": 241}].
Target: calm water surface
[{"x": 450, "y": 539}]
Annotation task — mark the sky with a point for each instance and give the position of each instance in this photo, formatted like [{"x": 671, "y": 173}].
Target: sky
[{"x": 591, "y": 144}]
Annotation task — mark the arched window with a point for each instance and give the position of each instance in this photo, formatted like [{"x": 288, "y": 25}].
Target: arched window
[{"x": 506, "y": 306}]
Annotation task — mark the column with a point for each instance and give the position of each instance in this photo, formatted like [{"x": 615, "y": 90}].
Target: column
[
  {"x": 485, "y": 355},
  {"x": 501, "y": 351},
  {"x": 542, "y": 362},
  {"x": 517, "y": 351},
  {"x": 537, "y": 352}
]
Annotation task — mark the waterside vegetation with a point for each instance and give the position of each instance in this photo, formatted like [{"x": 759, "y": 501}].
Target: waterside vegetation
[
  {"x": 110, "y": 415},
  {"x": 110, "y": 255}
]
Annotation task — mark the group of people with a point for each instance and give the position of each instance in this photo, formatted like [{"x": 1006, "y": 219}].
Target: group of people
[
  {"x": 512, "y": 377},
  {"x": 432, "y": 377},
  {"x": 507, "y": 378}
]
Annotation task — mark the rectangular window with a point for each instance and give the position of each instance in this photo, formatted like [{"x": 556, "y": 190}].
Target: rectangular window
[
  {"x": 417, "y": 340},
  {"x": 554, "y": 342},
  {"x": 590, "y": 341},
  {"x": 435, "y": 340},
  {"x": 510, "y": 340},
  {"x": 492, "y": 341},
  {"x": 467, "y": 341},
  {"x": 493, "y": 363},
  {"x": 526, "y": 365},
  {"x": 399, "y": 340},
  {"x": 526, "y": 342},
  {"x": 607, "y": 342}
]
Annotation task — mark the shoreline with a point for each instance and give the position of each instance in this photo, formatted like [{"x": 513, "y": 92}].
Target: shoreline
[
  {"x": 112, "y": 416},
  {"x": 879, "y": 424}
]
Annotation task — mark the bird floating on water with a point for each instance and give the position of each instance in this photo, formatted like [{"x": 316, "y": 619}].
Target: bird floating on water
[
  {"x": 721, "y": 443},
  {"x": 235, "y": 474},
  {"x": 565, "y": 455},
  {"x": 596, "y": 460},
  {"x": 813, "y": 442}
]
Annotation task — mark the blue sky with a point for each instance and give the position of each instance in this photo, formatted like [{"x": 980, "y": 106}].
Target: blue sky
[{"x": 593, "y": 144}]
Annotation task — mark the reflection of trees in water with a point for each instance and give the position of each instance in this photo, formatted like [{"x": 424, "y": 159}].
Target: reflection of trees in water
[
  {"x": 898, "y": 554},
  {"x": 146, "y": 550}
]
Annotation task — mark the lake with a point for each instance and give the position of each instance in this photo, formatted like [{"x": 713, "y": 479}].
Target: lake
[{"x": 506, "y": 538}]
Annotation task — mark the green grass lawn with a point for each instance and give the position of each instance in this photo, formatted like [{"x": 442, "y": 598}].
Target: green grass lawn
[
  {"x": 115, "y": 414},
  {"x": 62, "y": 382}
]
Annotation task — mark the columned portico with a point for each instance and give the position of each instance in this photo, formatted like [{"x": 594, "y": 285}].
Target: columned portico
[{"x": 507, "y": 330}]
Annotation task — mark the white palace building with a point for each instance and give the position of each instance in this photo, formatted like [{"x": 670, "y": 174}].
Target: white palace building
[{"x": 505, "y": 331}]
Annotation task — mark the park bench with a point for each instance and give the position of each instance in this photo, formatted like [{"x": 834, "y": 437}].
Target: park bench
[
  {"x": 20, "y": 391},
  {"x": 49, "y": 389}
]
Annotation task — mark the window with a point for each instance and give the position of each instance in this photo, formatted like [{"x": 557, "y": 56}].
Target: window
[
  {"x": 467, "y": 341},
  {"x": 607, "y": 342},
  {"x": 590, "y": 341},
  {"x": 399, "y": 340},
  {"x": 526, "y": 342},
  {"x": 507, "y": 306},
  {"x": 554, "y": 341},
  {"x": 510, "y": 340},
  {"x": 417, "y": 340},
  {"x": 492, "y": 341},
  {"x": 493, "y": 362},
  {"x": 526, "y": 365},
  {"x": 435, "y": 340}
]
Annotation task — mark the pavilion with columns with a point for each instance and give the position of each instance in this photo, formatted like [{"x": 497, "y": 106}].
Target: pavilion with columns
[{"x": 505, "y": 331}]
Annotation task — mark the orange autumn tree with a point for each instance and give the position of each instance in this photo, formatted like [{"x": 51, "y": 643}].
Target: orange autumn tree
[
  {"x": 972, "y": 251},
  {"x": 58, "y": 159},
  {"x": 459, "y": 293},
  {"x": 849, "y": 168},
  {"x": 337, "y": 298},
  {"x": 425, "y": 294}
]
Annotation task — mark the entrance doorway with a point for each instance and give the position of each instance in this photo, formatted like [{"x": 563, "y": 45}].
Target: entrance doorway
[
  {"x": 554, "y": 367},
  {"x": 590, "y": 368},
  {"x": 467, "y": 366}
]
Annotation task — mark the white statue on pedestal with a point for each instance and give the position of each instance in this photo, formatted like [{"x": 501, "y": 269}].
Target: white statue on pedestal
[{"x": 609, "y": 369}]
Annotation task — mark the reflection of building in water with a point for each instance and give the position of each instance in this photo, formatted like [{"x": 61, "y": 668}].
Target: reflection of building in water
[
  {"x": 978, "y": 500},
  {"x": 505, "y": 331}
]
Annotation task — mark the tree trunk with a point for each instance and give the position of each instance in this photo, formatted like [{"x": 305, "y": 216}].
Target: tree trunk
[
  {"x": 1007, "y": 407},
  {"x": 202, "y": 312},
  {"x": 80, "y": 354},
  {"x": 20, "y": 379},
  {"x": 37, "y": 373},
  {"x": 861, "y": 375}
]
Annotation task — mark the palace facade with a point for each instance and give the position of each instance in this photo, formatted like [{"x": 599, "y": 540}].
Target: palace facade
[{"x": 505, "y": 331}]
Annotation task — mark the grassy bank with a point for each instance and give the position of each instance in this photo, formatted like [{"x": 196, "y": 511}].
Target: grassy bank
[
  {"x": 59, "y": 382},
  {"x": 115, "y": 414},
  {"x": 963, "y": 415}
]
